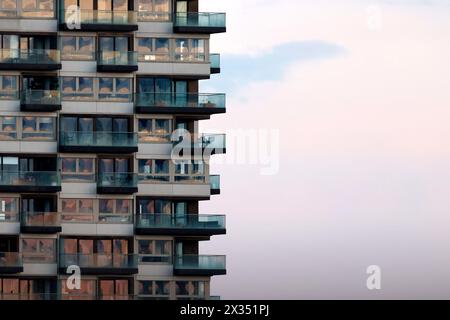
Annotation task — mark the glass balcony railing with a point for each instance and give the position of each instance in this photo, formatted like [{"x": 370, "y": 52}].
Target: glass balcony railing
[
  {"x": 31, "y": 56},
  {"x": 189, "y": 221},
  {"x": 180, "y": 100},
  {"x": 117, "y": 58},
  {"x": 197, "y": 263},
  {"x": 203, "y": 20},
  {"x": 98, "y": 260},
  {"x": 40, "y": 219},
  {"x": 9, "y": 217},
  {"x": 98, "y": 139},
  {"x": 10, "y": 260},
  {"x": 117, "y": 180},
  {"x": 40, "y": 97},
  {"x": 40, "y": 179},
  {"x": 98, "y": 17},
  {"x": 214, "y": 59}
]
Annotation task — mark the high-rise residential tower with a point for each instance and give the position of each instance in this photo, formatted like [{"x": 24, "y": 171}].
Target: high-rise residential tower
[{"x": 90, "y": 94}]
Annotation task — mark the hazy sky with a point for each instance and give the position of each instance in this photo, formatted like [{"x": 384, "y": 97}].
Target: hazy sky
[{"x": 360, "y": 94}]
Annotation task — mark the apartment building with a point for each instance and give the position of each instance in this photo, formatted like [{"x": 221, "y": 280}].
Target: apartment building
[{"x": 91, "y": 92}]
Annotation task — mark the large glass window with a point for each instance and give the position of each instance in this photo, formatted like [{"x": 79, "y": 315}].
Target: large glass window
[
  {"x": 190, "y": 172},
  {"x": 153, "y": 49},
  {"x": 9, "y": 208},
  {"x": 154, "y": 130},
  {"x": 77, "y": 48},
  {"x": 38, "y": 8},
  {"x": 86, "y": 291},
  {"x": 77, "y": 169},
  {"x": 77, "y": 210},
  {"x": 8, "y": 128},
  {"x": 117, "y": 89},
  {"x": 115, "y": 210},
  {"x": 154, "y": 170},
  {"x": 153, "y": 10},
  {"x": 154, "y": 289},
  {"x": 8, "y": 87},
  {"x": 155, "y": 251},
  {"x": 8, "y": 8},
  {"x": 38, "y": 128},
  {"x": 38, "y": 250},
  {"x": 187, "y": 289}
]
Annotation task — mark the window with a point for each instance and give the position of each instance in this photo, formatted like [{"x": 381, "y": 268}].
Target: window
[
  {"x": 154, "y": 289},
  {"x": 155, "y": 251},
  {"x": 117, "y": 89},
  {"x": 153, "y": 10},
  {"x": 77, "y": 169},
  {"x": 115, "y": 210},
  {"x": 77, "y": 88},
  {"x": 190, "y": 49},
  {"x": 38, "y": 8},
  {"x": 157, "y": 170},
  {"x": 151, "y": 49},
  {"x": 190, "y": 172},
  {"x": 86, "y": 291},
  {"x": 38, "y": 250},
  {"x": 8, "y": 87},
  {"x": 8, "y": 128},
  {"x": 146, "y": 206},
  {"x": 187, "y": 289},
  {"x": 154, "y": 130},
  {"x": 8, "y": 8},
  {"x": 8, "y": 209},
  {"x": 38, "y": 128},
  {"x": 77, "y": 210},
  {"x": 77, "y": 48}
]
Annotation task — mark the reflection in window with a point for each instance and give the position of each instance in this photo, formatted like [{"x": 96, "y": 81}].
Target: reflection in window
[
  {"x": 77, "y": 169},
  {"x": 154, "y": 170},
  {"x": 153, "y": 10},
  {"x": 8, "y": 87},
  {"x": 115, "y": 210},
  {"x": 85, "y": 292},
  {"x": 8, "y": 128},
  {"x": 38, "y": 250},
  {"x": 190, "y": 288},
  {"x": 154, "y": 130},
  {"x": 77, "y": 210},
  {"x": 155, "y": 251},
  {"x": 38, "y": 8},
  {"x": 8, "y": 209},
  {"x": 38, "y": 128}
]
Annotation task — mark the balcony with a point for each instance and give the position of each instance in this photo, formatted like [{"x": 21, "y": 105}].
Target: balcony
[
  {"x": 191, "y": 224},
  {"x": 40, "y": 222},
  {"x": 103, "y": 264},
  {"x": 98, "y": 142},
  {"x": 214, "y": 180},
  {"x": 40, "y": 100},
  {"x": 117, "y": 183},
  {"x": 10, "y": 262},
  {"x": 30, "y": 181},
  {"x": 117, "y": 61},
  {"x": 199, "y": 265},
  {"x": 214, "y": 59},
  {"x": 33, "y": 59},
  {"x": 179, "y": 103},
  {"x": 199, "y": 22},
  {"x": 98, "y": 20},
  {"x": 205, "y": 145}
]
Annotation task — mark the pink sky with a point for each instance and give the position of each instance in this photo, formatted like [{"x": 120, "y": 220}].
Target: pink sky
[{"x": 364, "y": 152}]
